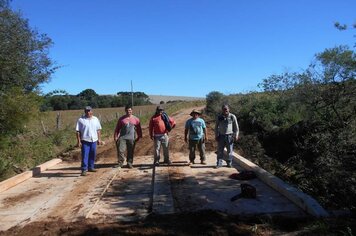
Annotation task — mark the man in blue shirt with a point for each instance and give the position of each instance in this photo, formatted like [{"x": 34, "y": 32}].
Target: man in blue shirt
[{"x": 196, "y": 128}]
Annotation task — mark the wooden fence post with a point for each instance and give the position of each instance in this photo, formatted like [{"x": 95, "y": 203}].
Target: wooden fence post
[
  {"x": 58, "y": 121},
  {"x": 43, "y": 128}
]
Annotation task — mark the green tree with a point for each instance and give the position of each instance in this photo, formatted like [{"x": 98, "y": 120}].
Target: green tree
[
  {"x": 24, "y": 65},
  {"x": 214, "y": 101},
  {"x": 139, "y": 98},
  {"x": 88, "y": 94}
]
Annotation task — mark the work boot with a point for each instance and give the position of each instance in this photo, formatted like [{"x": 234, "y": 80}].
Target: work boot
[
  {"x": 156, "y": 163},
  {"x": 203, "y": 162},
  {"x": 129, "y": 165},
  {"x": 84, "y": 173},
  {"x": 92, "y": 170},
  {"x": 168, "y": 162},
  {"x": 229, "y": 164}
]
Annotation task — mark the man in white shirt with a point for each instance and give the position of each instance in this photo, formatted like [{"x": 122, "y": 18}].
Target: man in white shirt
[{"x": 88, "y": 136}]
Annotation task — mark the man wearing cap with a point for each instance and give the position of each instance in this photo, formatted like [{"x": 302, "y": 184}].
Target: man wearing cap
[
  {"x": 159, "y": 127},
  {"x": 196, "y": 128},
  {"x": 226, "y": 132},
  {"x": 127, "y": 132},
  {"x": 88, "y": 136}
]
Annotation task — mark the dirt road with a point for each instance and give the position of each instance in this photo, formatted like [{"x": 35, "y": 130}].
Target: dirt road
[{"x": 151, "y": 200}]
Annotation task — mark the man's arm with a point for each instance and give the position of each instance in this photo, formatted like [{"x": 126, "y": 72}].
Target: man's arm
[
  {"x": 117, "y": 131},
  {"x": 172, "y": 122},
  {"x": 138, "y": 130},
  {"x": 79, "y": 144},
  {"x": 216, "y": 130},
  {"x": 186, "y": 135},
  {"x": 99, "y": 136},
  {"x": 235, "y": 128},
  {"x": 150, "y": 128}
]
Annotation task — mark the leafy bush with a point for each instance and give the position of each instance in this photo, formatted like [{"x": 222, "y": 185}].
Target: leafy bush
[{"x": 303, "y": 127}]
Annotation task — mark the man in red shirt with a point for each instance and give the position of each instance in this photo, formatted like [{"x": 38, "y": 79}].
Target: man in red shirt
[
  {"x": 159, "y": 134},
  {"x": 128, "y": 131}
]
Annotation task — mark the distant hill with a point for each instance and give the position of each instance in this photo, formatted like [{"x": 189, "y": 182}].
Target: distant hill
[{"x": 156, "y": 99}]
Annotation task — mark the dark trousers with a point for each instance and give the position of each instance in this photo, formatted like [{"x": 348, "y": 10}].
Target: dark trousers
[
  {"x": 225, "y": 141},
  {"x": 193, "y": 145},
  {"x": 122, "y": 146}
]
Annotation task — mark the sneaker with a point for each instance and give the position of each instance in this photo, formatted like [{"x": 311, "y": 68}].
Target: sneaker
[
  {"x": 191, "y": 163},
  {"x": 92, "y": 170},
  {"x": 203, "y": 162},
  {"x": 129, "y": 165},
  {"x": 229, "y": 164},
  {"x": 218, "y": 165},
  {"x": 118, "y": 165},
  {"x": 168, "y": 162},
  {"x": 84, "y": 173},
  {"x": 156, "y": 163}
]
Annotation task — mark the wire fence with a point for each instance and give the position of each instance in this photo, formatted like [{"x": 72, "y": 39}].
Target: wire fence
[{"x": 59, "y": 120}]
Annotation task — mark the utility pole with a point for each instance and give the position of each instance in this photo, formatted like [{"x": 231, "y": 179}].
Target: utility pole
[{"x": 132, "y": 104}]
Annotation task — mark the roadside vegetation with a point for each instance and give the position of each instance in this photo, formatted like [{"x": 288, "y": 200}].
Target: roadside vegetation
[{"x": 302, "y": 127}]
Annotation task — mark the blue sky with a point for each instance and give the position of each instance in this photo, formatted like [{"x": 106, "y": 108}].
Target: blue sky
[{"x": 183, "y": 47}]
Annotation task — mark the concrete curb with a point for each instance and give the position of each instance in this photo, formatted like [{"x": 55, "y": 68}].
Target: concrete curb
[
  {"x": 13, "y": 181},
  {"x": 299, "y": 198}
]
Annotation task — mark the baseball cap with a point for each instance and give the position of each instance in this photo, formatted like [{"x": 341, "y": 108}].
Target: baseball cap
[{"x": 88, "y": 108}]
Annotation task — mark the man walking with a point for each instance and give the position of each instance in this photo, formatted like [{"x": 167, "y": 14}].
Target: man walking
[
  {"x": 196, "y": 128},
  {"x": 226, "y": 132},
  {"x": 88, "y": 136},
  {"x": 127, "y": 132},
  {"x": 159, "y": 127}
]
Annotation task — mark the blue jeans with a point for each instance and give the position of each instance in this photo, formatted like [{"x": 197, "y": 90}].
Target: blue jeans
[
  {"x": 88, "y": 155},
  {"x": 228, "y": 142}
]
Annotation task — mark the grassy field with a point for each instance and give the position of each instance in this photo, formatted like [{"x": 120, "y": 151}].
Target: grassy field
[{"x": 54, "y": 120}]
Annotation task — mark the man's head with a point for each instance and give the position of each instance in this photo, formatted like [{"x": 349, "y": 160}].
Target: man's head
[
  {"x": 88, "y": 111},
  {"x": 128, "y": 110},
  {"x": 195, "y": 113},
  {"x": 159, "y": 109},
  {"x": 225, "y": 109}
]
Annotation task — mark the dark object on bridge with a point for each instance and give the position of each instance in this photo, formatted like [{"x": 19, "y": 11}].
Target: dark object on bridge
[
  {"x": 165, "y": 119},
  {"x": 247, "y": 191},
  {"x": 244, "y": 175}
]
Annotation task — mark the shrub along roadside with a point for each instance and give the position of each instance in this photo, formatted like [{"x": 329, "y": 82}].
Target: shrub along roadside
[{"x": 302, "y": 128}]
